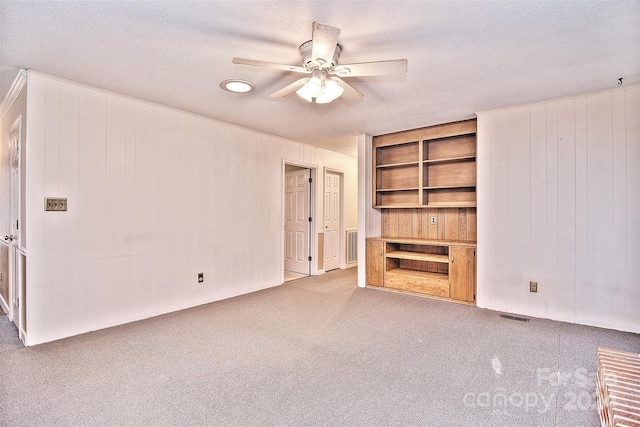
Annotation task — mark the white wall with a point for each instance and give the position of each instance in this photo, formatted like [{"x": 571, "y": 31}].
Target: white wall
[
  {"x": 559, "y": 203},
  {"x": 369, "y": 218},
  {"x": 155, "y": 195}
]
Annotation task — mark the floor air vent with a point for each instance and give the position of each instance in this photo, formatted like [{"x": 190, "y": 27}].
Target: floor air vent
[{"x": 510, "y": 317}]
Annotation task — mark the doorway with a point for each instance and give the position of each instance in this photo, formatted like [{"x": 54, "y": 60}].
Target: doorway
[
  {"x": 332, "y": 219},
  {"x": 297, "y": 221},
  {"x": 15, "y": 262}
]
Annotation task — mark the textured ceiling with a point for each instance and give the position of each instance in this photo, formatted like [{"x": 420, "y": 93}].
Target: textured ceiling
[{"x": 463, "y": 56}]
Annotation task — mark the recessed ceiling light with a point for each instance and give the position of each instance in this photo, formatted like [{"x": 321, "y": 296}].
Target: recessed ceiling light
[{"x": 237, "y": 86}]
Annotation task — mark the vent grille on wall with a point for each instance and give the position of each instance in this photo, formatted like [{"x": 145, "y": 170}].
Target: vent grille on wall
[{"x": 352, "y": 245}]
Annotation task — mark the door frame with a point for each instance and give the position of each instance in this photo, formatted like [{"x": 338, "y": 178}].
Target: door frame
[
  {"x": 313, "y": 249},
  {"x": 16, "y": 247},
  {"x": 342, "y": 253},
  {"x": 4, "y": 305}
]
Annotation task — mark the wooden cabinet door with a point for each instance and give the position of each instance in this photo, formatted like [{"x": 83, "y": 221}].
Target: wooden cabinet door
[
  {"x": 375, "y": 263},
  {"x": 462, "y": 273}
]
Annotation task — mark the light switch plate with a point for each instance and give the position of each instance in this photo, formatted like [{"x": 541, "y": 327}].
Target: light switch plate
[
  {"x": 55, "y": 204},
  {"x": 533, "y": 286}
]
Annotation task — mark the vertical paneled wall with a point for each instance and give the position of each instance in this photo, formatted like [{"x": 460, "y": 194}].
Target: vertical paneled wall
[
  {"x": 155, "y": 196},
  {"x": 451, "y": 223},
  {"x": 559, "y": 203}
]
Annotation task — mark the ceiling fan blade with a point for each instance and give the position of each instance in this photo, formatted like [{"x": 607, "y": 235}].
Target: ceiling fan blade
[
  {"x": 350, "y": 94},
  {"x": 288, "y": 90},
  {"x": 325, "y": 40},
  {"x": 270, "y": 65},
  {"x": 376, "y": 68}
]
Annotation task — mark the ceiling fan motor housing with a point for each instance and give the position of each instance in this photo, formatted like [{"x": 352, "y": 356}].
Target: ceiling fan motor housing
[{"x": 307, "y": 62}]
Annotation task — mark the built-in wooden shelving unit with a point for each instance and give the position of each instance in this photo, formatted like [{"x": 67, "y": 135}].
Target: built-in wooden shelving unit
[
  {"x": 424, "y": 181},
  {"x": 428, "y": 167},
  {"x": 436, "y": 268}
]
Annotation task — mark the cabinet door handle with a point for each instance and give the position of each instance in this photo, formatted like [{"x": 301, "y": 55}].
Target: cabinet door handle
[{"x": 452, "y": 259}]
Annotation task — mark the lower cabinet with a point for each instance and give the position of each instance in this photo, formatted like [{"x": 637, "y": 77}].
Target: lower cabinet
[
  {"x": 462, "y": 273},
  {"x": 442, "y": 269}
]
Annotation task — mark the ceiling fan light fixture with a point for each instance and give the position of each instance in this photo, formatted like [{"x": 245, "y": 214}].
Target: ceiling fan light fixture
[
  {"x": 331, "y": 90},
  {"x": 320, "y": 89},
  {"x": 311, "y": 89},
  {"x": 237, "y": 86}
]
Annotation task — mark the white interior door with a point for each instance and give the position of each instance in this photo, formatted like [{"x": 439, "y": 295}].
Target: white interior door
[
  {"x": 296, "y": 220},
  {"x": 331, "y": 220},
  {"x": 15, "y": 258}
]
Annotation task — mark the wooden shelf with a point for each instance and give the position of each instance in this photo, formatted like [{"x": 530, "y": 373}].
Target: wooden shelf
[
  {"x": 445, "y": 205},
  {"x": 443, "y": 269},
  {"x": 418, "y": 256},
  {"x": 451, "y": 160},
  {"x": 427, "y": 242},
  {"x": 404, "y": 152},
  {"x": 449, "y": 196},
  {"x": 439, "y": 161},
  {"x": 397, "y": 205},
  {"x": 382, "y": 190},
  {"x": 418, "y": 281},
  {"x": 447, "y": 187},
  {"x": 397, "y": 165}
]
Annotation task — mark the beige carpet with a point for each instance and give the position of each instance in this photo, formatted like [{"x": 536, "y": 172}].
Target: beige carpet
[{"x": 315, "y": 351}]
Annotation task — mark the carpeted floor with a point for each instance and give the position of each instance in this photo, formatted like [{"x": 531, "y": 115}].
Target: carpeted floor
[
  {"x": 8, "y": 335},
  {"x": 315, "y": 351}
]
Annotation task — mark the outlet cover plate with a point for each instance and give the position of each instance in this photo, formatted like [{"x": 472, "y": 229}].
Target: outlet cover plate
[
  {"x": 433, "y": 220},
  {"x": 200, "y": 277},
  {"x": 55, "y": 204}
]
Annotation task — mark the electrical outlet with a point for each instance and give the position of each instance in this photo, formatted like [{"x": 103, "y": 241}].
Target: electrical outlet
[
  {"x": 533, "y": 286},
  {"x": 200, "y": 277},
  {"x": 433, "y": 220},
  {"x": 55, "y": 204}
]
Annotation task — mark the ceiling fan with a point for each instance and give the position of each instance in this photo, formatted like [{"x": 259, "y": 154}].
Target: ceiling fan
[{"x": 320, "y": 62}]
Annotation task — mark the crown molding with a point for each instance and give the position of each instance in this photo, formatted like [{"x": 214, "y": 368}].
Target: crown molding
[{"x": 18, "y": 83}]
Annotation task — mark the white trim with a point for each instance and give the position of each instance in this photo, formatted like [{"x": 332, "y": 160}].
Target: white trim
[
  {"x": 17, "y": 125},
  {"x": 341, "y": 227},
  {"x": 313, "y": 211},
  {"x": 16, "y": 252},
  {"x": 3, "y": 303},
  {"x": 562, "y": 98},
  {"x": 4, "y": 306},
  {"x": 18, "y": 83}
]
